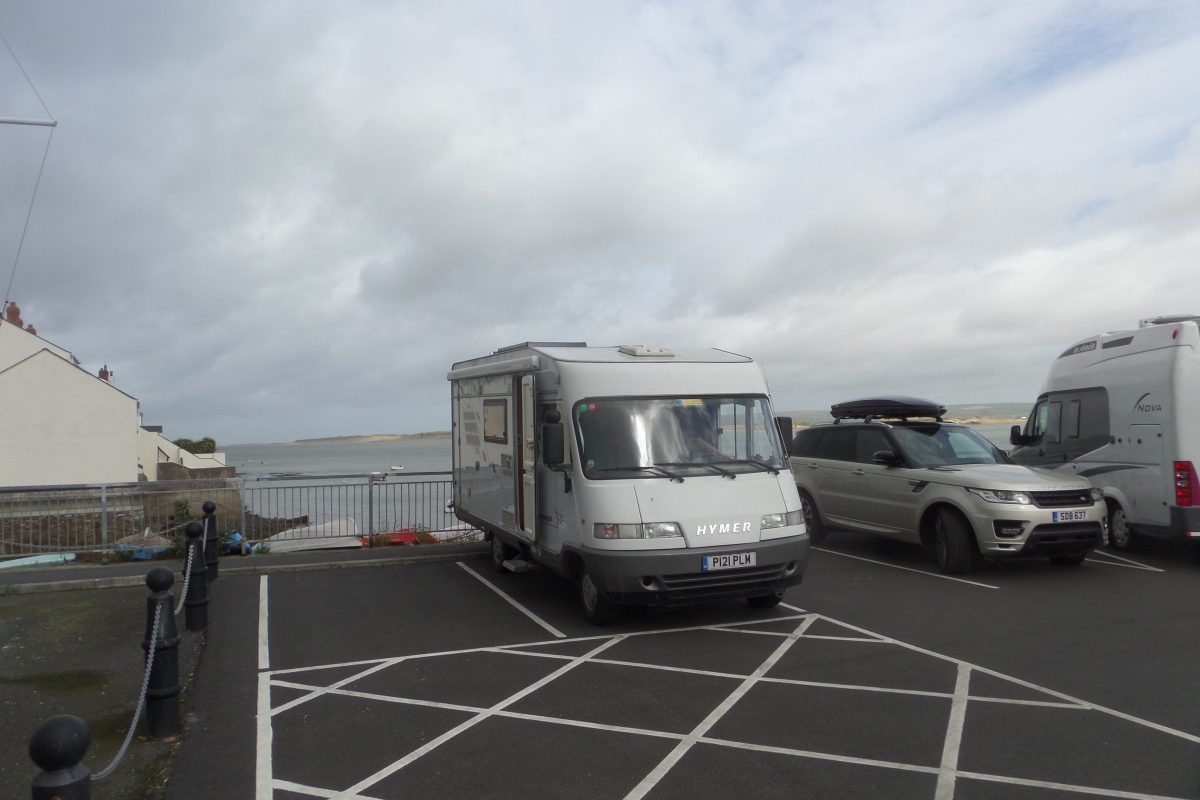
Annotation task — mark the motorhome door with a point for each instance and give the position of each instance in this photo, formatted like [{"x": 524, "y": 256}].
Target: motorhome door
[{"x": 527, "y": 455}]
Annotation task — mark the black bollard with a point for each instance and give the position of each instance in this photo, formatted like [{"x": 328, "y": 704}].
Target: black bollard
[
  {"x": 58, "y": 747},
  {"x": 162, "y": 692},
  {"x": 196, "y": 603},
  {"x": 210, "y": 539}
]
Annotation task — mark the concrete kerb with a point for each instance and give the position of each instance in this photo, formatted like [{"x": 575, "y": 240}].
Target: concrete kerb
[{"x": 453, "y": 552}]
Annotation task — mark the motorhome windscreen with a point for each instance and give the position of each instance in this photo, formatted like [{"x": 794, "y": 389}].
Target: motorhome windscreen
[
  {"x": 676, "y": 437},
  {"x": 944, "y": 446}
]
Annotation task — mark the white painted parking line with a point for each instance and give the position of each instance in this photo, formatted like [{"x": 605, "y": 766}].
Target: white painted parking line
[
  {"x": 1084, "y": 704},
  {"x": 907, "y": 569},
  {"x": 1121, "y": 561},
  {"x": 264, "y": 650},
  {"x": 264, "y": 767},
  {"x": 954, "y": 729},
  {"x": 473, "y": 721},
  {"x": 681, "y": 749},
  {"x": 1066, "y": 787},
  {"x": 553, "y": 630}
]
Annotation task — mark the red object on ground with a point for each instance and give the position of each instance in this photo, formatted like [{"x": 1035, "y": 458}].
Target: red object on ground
[{"x": 398, "y": 536}]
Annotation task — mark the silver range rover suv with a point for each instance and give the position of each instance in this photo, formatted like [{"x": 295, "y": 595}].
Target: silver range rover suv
[{"x": 892, "y": 467}]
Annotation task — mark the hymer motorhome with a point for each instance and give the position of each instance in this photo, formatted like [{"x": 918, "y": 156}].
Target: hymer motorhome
[
  {"x": 1123, "y": 410},
  {"x": 645, "y": 475}
]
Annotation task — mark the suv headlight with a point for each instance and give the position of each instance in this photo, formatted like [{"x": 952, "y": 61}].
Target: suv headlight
[
  {"x": 1003, "y": 496},
  {"x": 1096, "y": 495},
  {"x": 649, "y": 530},
  {"x": 780, "y": 520}
]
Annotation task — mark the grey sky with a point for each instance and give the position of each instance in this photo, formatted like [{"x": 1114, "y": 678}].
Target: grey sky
[{"x": 280, "y": 220}]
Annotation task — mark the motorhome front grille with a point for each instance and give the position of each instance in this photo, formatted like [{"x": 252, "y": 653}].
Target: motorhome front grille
[
  {"x": 1071, "y": 497},
  {"x": 725, "y": 582}
]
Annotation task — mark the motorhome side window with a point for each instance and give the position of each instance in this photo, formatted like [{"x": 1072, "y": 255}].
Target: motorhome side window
[
  {"x": 495, "y": 421},
  {"x": 653, "y": 437},
  {"x": 1054, "y": 422},
  {"x": 1071, "y": 421},
  {"x": 1047, "y": 421},
  {"x": 1083, "y": 414}
]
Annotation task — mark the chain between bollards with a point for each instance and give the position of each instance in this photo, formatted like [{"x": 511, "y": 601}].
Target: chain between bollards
[
  {"x": 187, "y": 579},
  {"x": 196, "y": 598},
  {"x": 60, "y": 744}
]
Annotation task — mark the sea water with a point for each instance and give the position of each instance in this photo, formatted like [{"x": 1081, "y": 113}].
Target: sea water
[
  {"x": 338, "y": 458},
  {"x": 308, "y": 459}
]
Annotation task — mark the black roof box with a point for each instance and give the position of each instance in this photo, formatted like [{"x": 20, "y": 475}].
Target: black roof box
[{"x": 895, "y": 407}]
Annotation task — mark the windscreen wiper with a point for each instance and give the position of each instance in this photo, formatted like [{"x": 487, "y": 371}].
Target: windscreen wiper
[
  {"x": 760, "y": 464},
  {"x": 656, "y": 470},
  {"x": 708, "y": 464}
]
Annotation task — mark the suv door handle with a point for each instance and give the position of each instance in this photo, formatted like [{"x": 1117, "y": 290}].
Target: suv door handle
[{"x": 858, "y": 472}]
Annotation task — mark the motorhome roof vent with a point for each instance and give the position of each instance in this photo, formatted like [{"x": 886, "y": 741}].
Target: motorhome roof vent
[
  {"x": 1145, "y": 323},
  {"x": 645, "y": 350}
]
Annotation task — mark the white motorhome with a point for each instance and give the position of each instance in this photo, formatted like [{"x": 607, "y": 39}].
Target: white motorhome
[
  {"x": 648, "y": 476},
  {"x": 1123, "y": 410}
]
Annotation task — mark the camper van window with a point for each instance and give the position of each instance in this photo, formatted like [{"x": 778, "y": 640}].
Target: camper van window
[
  {"x": 1053, "y": 422},
  {"x": 1071, "y": 423},
  {"x": 655, "y": 437},
  {"x": 495, "y": 421}
]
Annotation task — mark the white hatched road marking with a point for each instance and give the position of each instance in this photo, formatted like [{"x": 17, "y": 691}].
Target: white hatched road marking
[
  {"x": 681, "y": 749},
  {"x": 908, "y": 569},
  {"x": 1121, "y": 561},
  {"x": 604, "y": 641},
  {"x": 947, "y": 772},
  {"x": 445, "y": 737}
]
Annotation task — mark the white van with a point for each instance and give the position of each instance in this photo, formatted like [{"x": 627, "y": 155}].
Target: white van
[
  {"x": 646, "y": 475},
  {"x": 1123, "y": 410}
]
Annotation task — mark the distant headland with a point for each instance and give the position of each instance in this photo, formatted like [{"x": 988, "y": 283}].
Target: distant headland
[{"x": 379, "y": 437}]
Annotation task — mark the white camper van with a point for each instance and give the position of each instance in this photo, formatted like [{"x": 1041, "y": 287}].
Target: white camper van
[
  {"x": 646, "y": 475},
  {"x": 1123, "y": 410}
]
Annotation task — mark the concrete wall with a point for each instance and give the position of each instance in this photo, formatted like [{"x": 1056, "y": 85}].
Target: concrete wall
[
  {"x": 154, "y": 450},
  {"x": 61, "y": 425},
  {"x": 17, "y": 345}
]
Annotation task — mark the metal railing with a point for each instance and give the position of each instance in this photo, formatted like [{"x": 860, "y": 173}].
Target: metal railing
[{"x": 61, "y": 519}]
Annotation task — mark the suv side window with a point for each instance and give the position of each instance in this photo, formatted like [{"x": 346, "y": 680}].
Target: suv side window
[
  {"x": 805, "y": 444},
  {"x": 869, "y": 442},
  {"x": 837, "y": 444}
]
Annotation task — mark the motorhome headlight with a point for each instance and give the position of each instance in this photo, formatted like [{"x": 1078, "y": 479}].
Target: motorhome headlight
[
  {"x": 1003, "y": 496},
  {"x": 780, "y": 520},
  {"x": 1096, "y": 495},
  {"x": 649, "y": 530},
  {"x": 661, "y": 530}
]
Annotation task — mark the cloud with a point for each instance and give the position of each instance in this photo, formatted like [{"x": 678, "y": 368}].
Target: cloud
[{"x": 283, "y": 220}]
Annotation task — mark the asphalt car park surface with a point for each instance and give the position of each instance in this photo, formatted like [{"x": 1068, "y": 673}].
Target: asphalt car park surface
[{"x": 877, "y": 677}]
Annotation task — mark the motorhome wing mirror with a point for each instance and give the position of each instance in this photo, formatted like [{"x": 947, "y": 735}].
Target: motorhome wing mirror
[
  {"x": 886, "y": 457},
  {"x": 1014, "y": 435},
  {"x": 785, "y": 432},
  {"x": 553, "y": 453}
]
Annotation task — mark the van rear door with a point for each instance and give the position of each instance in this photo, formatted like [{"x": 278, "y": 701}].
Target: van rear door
[{"x": 527, "y": 460}]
